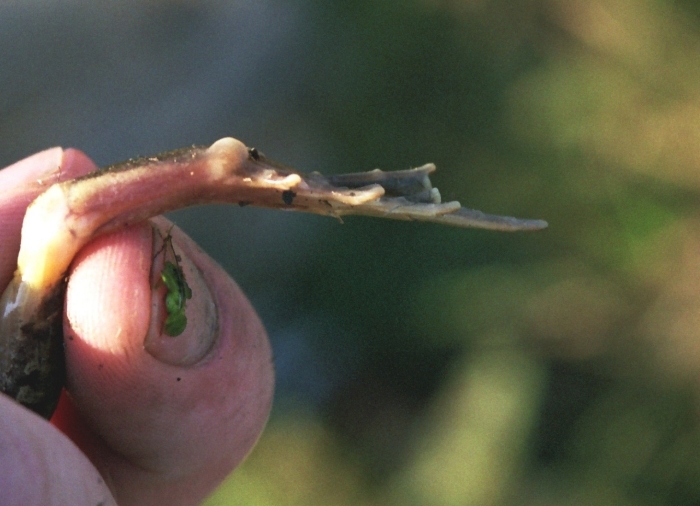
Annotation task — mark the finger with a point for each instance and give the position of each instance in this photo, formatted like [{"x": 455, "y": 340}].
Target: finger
[
  {"x": 166, "y": 425},
  {"x": 23, "y": 182},
  {"x": 40, "y": 466}
]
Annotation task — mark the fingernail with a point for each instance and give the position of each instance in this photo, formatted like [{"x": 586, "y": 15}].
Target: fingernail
[
  {"x": 182, "y": 330},
  {"x": 37, "y": 172},
  {"x": 31, "y": 169}
]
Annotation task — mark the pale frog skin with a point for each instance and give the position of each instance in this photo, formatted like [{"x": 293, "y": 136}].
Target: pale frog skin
[{"x": 69, "y": 214}]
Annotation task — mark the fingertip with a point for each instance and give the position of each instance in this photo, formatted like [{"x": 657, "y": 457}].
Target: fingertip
[
  {"x": 41, "y": 466},
  {"x": 44, "y": 168},
  {"x": 75, "y": 163},
  {"x": 29, "y": 169},
  {"x": 184, "y": 427}
]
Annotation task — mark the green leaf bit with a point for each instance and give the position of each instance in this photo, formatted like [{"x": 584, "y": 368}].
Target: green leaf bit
[{"x": 178, "y": 293}]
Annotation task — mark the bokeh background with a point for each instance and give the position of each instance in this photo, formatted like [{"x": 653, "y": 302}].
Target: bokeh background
[{"x": 419, "y": 365}]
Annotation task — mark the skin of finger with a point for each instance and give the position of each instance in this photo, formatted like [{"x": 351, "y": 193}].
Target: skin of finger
[
  {"x": 21, "y": 183},
  {"x": 40, "y": 466},
  {"x": 161, "y": 434}
]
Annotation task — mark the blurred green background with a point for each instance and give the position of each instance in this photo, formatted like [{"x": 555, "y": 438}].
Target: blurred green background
[{"x": 419, "y": 365}]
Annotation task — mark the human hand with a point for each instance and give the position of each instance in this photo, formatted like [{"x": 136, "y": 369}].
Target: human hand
[{"x": 146, "y": 425}]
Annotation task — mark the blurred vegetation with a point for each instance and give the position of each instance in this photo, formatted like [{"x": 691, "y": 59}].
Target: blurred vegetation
[
  {"x": 419, "y": 365},
  {"x": 553, "y": 368}
]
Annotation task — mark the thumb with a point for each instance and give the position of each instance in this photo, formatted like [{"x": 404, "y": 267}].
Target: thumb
[{"x": 169, "y": 416}]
